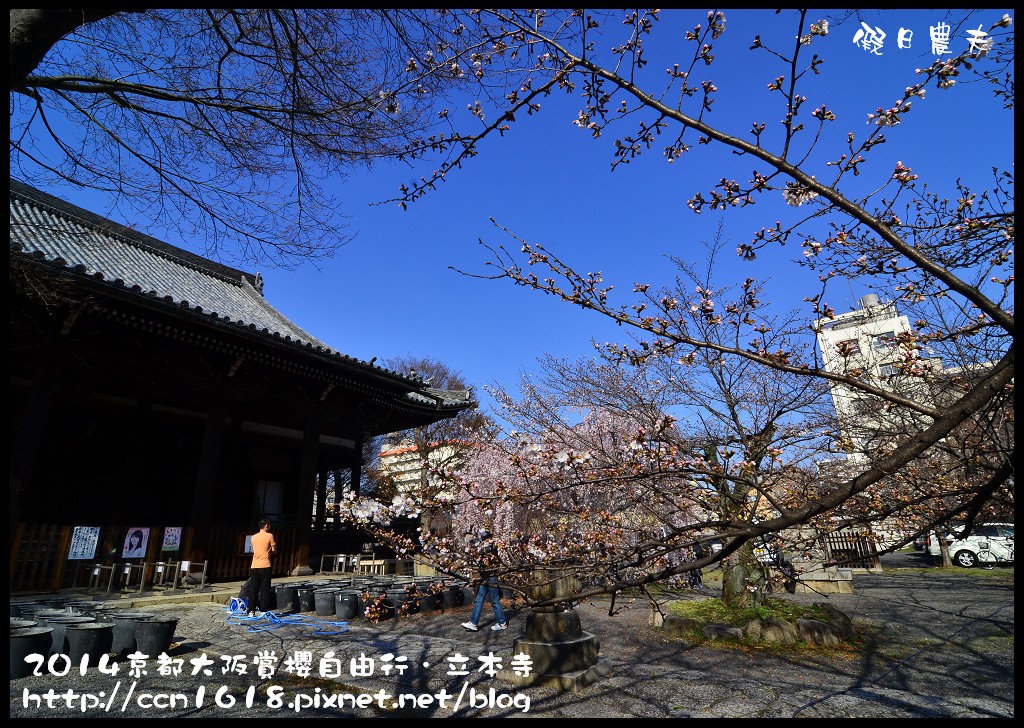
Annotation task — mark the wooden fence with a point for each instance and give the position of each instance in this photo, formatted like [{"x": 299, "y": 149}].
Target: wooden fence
[
  {"x": 849, "y": 550},
  {"x": 38, "y": 557}
]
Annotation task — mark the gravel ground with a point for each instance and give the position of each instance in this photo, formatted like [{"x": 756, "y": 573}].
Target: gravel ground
[{"x": 939, "y": 644}]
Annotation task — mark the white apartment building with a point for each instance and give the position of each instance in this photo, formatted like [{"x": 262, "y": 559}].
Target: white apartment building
[
  {"x": 404, "y": 464},
  {"x": 863, "y": 343},
  {"x": 407, "y": 467},
  {"x": 864, "y": 339}
]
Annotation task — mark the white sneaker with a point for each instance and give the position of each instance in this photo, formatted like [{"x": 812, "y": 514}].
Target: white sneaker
[
  {"x": 470, "y": 626},
  {"x": 499, "y": 625}
]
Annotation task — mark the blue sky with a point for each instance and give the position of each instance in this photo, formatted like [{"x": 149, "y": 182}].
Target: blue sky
[{"x": 391, "y": 292}]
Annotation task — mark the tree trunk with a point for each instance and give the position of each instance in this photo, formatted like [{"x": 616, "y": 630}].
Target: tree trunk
[
  {"x": 945, "y": 560},
  {"x": 35, "y": 32},
  {"x": 743, "y": 584}
]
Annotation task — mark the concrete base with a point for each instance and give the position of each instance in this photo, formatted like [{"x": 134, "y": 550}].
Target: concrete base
[
  {"x": 567, "y": 682},
  {"x": 562, "y": 655},
  {"x": 301, "y": 571},
  {"x": 814, "y": 577},
  {"x": 825, "y": 586}
]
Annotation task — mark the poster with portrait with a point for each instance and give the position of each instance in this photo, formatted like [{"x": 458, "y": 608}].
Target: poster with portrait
[
  {"x": 172, "y": 538},
  {"x": 247, "y": 548},
  {"x": 135, "y": 543},
  {"x": 83, "y": 542}
]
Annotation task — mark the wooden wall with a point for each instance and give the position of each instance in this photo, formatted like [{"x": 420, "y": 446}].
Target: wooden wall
[{"x": 39, "y": 563}]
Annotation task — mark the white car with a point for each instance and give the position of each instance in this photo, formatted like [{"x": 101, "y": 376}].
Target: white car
[{"x": 989, "y": 544}]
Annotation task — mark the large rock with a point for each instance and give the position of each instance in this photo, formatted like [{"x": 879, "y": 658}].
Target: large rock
[
  {"x": 722, "y": 632},
  {"x": 833, "y": 629},
  {"x": 837, "y": 620},
  {"x": 681, "y": 626},
  {"x": 816, "y": 632},
  {"x": 778, "y": 632}
]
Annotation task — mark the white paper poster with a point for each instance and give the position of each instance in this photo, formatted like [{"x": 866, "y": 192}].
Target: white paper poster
[{"x": 83, "y": 542}]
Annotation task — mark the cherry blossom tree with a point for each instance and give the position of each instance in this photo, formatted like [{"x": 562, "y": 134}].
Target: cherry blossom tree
[
  {"x": 941, "y": 247},
  {"x": 624, "y": 470}
]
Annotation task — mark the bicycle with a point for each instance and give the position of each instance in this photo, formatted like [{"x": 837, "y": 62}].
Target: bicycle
[{"x": 987, "y": 558}]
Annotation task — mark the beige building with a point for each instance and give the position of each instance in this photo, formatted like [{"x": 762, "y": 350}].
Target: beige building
[
  {"x": 407, "y": 466},
  {"x": 866, "y": 343}
]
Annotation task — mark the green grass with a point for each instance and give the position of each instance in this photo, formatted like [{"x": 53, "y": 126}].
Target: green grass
[{"x": 715, "y": 611}]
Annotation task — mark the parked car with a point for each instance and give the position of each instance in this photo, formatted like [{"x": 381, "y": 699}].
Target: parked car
[{"x": 994, "y": 541}]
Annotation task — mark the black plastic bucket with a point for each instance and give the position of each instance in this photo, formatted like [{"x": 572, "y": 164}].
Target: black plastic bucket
[
  {"x": 59, "y": 644},
  {"x": 154, "y": 636},
  {"x": 307, "y": 600},
  {"x": 94, "y": 639},
  {"x": 403, "y": 601},
  {"x": 324, "y": 602},
  {"x": 25, "y": 642},
  {"x": 346, "y": 604},
  {"x": 287, "y": 598},
  {"x": 124, "y": 629}
]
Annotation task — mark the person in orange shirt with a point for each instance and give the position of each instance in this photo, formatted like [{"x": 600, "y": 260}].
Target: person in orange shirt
[{"x": 263, "y": 546}]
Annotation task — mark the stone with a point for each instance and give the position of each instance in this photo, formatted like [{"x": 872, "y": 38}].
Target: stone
[
  {"x": 816, "y": 632},
  {"x": 836, "y": 619},
  {"x": 681, "y": 626},
  {"x": 714, "y": 632},
  {"x": 562, "y": 654},
  {"x": 551, "y": 626},
  {"x": 778, "y": 632},
  {"x": 567, "y": 662}
]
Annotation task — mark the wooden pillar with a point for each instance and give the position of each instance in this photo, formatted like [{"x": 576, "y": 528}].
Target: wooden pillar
[
  {"x": 307, "y": 487},
  {"x": 206, "y": 482},
  {"x": 357, "y": 467},
  {"x": 30, "y": 436},
  {"x": 133, "y": 463}
]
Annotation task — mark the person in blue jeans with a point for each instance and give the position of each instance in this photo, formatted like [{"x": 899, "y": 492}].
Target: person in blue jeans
[{"x": 487, "y": 588}]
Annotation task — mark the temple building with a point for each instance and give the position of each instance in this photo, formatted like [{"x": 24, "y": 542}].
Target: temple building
[{"x": 153, "y": 389}]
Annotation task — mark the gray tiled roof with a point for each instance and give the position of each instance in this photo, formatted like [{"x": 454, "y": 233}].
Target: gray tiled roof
[{"x": 48, "y": 229}]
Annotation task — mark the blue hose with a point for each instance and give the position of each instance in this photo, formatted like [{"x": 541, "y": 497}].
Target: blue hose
[{"x": 237, "y": 614}]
